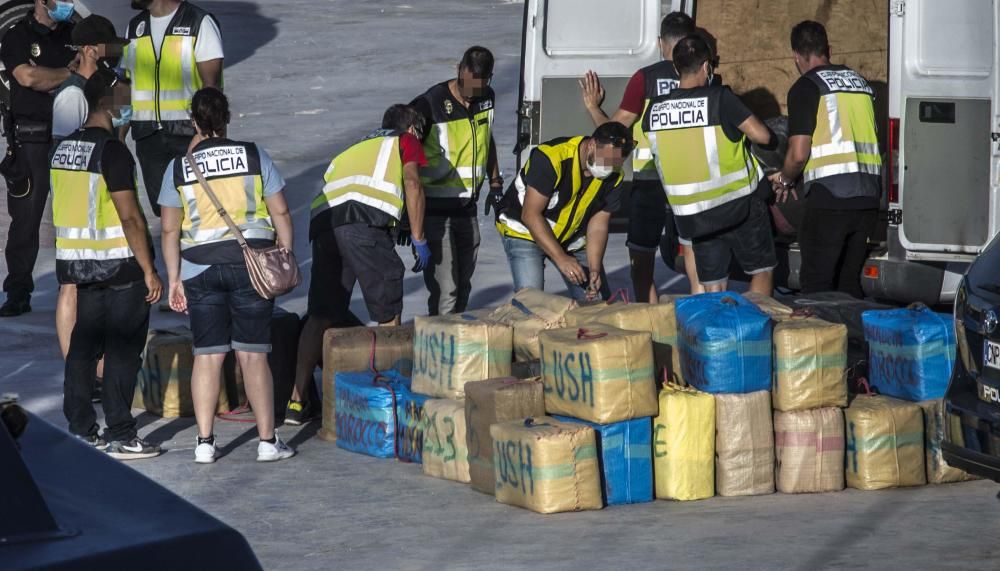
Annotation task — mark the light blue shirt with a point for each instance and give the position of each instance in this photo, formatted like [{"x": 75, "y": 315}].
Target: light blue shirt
[{"x": 170, "y": 197}]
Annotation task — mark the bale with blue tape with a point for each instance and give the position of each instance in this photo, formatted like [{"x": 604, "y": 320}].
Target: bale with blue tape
[
  {"x": 367, "y": 413},
  {"x": 885, "y": 443},
  {"x": 451, "y": 350},
  {"x": 411, "y": 421},
  {"x": 725, "y": 343},
  {"x": 911, "y": 352},
  {"x": 625, "y": 453}
]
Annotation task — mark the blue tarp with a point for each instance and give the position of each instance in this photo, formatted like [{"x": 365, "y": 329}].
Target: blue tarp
[
  {"x": 410, "y": 423},
  {"x": 725, "y": 343},
  {"x": 911, "y": 352},
  {"x": 626, "y": 457},
  {"x": 366, "y": 421}
]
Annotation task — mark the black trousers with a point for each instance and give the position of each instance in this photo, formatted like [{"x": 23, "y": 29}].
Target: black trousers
[
  {"x": 154, "y": 153},
  {"x": 834, "y": 246},
  {"x": 21, "y": 250},
  {"x": 110, "y": 321}
]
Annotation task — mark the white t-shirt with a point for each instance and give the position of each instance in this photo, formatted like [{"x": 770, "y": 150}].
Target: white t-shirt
[
  {"x": 208, "y": 46},
  {"x": 69, "y": 112}
]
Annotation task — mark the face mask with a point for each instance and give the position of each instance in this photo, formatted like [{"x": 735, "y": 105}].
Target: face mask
[
  {"x": 124, "y": 117},
  {"x": 600, "y": 172},
  {"x": 108, "y": 62},
  {"x": 62, "y": 12},
  {"x": 711, "y": 75}
]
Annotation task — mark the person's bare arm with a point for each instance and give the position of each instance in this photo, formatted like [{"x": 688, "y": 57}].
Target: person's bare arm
[
  {"x": 533, "y": 218},
  {"x": 593, "y": 97},
  {"x": 597, "y": 245},
  {"x": 281, "y": 218},
  {"x": 136, "y": 234},
  {"x": 756, "y": 131},
  {"x": 170, "y": 241},
  {"x": 211, "y": 73},
  {"x": 783, "y": 181},
  {"x": 40, "y": 78},
  {"x": 415, "y": 203}
]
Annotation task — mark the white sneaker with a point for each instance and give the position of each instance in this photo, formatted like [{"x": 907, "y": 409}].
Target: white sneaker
[
  {"x": 267, "y": 452},
  {"x": 204, "y": 452}
]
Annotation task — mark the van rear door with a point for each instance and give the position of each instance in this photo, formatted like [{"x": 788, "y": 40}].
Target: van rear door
[
  {"x": 563, "y": 39},
  {"x": 943, "y": 83}
]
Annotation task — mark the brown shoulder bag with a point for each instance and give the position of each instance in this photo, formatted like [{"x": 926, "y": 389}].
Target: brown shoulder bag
[{"x": 273, "y": 270}]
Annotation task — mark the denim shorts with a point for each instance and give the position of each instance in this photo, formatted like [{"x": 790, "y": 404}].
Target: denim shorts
[{"x": 227, "y": 313}]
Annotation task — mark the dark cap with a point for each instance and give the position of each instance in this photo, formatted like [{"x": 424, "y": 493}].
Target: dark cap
[
  {"x": 614, "y": 133},
  {"x": 95, "y": 30}
]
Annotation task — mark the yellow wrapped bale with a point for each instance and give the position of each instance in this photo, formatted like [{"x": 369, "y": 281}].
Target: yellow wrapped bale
[
  {"x": 163, "y": 386},
  {"x": 810, "y": 364},
  {"x": 885, "y": 443},
  {"x": 772, "y": 307},
  {"x": 349, "y": 350},
  {"x": 744, "y": 445},
  {"x": 684, "y": 444},
  {"x": 530, "y": 312},
  {"x": 938, "y": 471},
  {"x": 602, "y": 374},
  {"x": 657, "y": 319},
  {"x": 451, "y": 350},
  {"x": 445, "y": 454},
  {"x": 809, "y": 448},
  {"x": 546, "y": 465}
]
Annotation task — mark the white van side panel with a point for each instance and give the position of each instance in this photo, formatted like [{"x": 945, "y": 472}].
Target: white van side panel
[{"x": 943, "y": 86}]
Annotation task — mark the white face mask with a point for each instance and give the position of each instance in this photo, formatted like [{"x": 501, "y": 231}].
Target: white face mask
[{"x": 599, "y": 172}]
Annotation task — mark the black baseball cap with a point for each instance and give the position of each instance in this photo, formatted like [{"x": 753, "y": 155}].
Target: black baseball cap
[{"x": 95, "y": 30}]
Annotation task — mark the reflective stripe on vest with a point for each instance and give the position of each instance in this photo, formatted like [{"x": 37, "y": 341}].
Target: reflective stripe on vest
[
  {"x": 701, "y": 168},
  {"x": 370, "y": 172},
  {"x": 845, "y": 139},
  {"x": 457, "y": 152},
  {"x": 240, "y": 191},
  {"x": 87, "y": 225}
]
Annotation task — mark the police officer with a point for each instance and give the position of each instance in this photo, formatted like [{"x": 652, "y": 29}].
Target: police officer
[
  {"x": 460, "y": 152},
  {"x": 833, "y": 145},
  {"x": 698, "y": 133},
  {"x": 559, "y": 207},
  {"x": 103, "y": 247},
  {"x": 649, "y": 213},
  {"x": 175, "y": 49},
  {"x": 368, "y": 188},
  {"x": 35, "y": 53}
]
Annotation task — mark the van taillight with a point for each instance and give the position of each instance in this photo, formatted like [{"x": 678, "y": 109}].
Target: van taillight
[{"x": 893, "y": 160}]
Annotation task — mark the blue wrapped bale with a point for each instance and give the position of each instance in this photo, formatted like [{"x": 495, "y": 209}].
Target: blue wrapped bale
[
  {"x": 911, "y": 352},
  {"x": 625, "y": 453},
  {"x": 410, "y": 424},
  {"x": 725, "y": 343},
  {"x": 367, "y": 411}
]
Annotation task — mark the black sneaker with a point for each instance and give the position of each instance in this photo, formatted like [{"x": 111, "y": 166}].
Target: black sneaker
[
  {"x": 15, "y": 307},
  {"x": 135, "y": 449},
  {"x": 93, "y": 440},
  {"x": 298, "y": 413}
]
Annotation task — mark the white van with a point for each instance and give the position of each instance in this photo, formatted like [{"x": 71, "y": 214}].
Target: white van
[
  {"x": 943, "y": 153},
  {"x": 942, "y": 136}
]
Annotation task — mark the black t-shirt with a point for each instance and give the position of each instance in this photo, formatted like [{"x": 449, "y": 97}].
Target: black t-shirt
[
  {"x": 803, "y": 105},
  {"x": 542, "y": 177},
  {"x": 30, "y": 42},
  {"x": 118, "y": 169},
  {"x": 732, "y": 111}
]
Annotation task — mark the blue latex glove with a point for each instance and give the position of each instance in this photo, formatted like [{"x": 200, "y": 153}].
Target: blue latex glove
[{"x": 421, "y": 253}]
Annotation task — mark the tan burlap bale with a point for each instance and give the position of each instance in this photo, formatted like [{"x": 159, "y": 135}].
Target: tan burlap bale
[
  {"x": 599, "y": 373},
  {"x": 744, "y": 444},
  {"x": 163, "y": 386},
  {"x": 809, "y": 449},
  {"x": 489, "y": 402},
  {"x": 446, "y": 450},
  {"x": 546, "y": 466},
  {"x": 885, "y": 443},
  {"x": 348, "y": 350},
  {"x": 451, "y": 350},
  {"x": 684, "y": 444},
  {"x": 774, "y": 308},
  {"x": 938, "y": 471},
  {"x": 657, "y": 319},
  {"x": 530, "y": 312},
  {"x": 810, "y": 364}
]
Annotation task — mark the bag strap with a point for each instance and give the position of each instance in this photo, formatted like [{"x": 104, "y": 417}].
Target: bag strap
[{"x": 215, "y": 201}]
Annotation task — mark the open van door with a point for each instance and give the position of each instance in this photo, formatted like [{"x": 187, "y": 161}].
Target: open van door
[
  {"x": 944, "y": 126},
  {"x": 562, "y": 40}
]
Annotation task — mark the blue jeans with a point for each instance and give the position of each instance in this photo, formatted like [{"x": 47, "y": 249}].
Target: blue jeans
[
  {"x": 527, "y": 265},
  {"x": 227, "y": 312}
]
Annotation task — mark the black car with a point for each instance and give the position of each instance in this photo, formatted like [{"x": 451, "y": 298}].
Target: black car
[{"x": 972, "y": 403}]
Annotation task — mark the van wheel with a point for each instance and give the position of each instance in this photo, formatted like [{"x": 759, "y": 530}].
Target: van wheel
[{"x": 10, "y": 13}]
